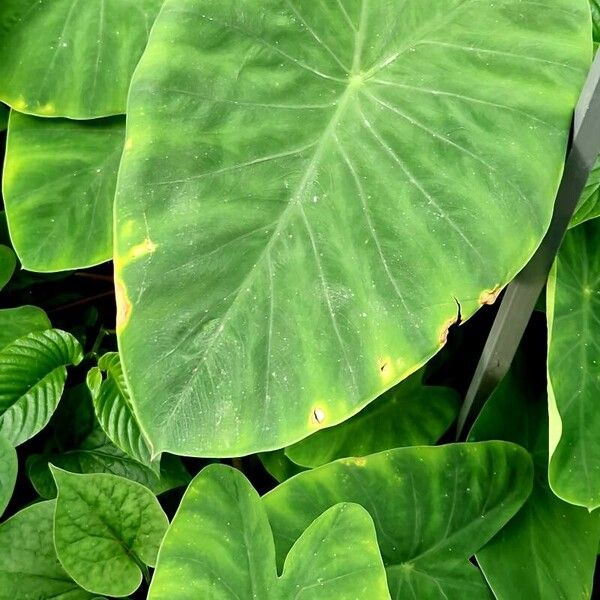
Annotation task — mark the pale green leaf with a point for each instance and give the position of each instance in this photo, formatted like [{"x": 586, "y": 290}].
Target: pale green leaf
[
  {"x": 32, "y": 377},
  {"x": 220, "y": 546},
  {"x": 18, "y": 322},
  {"x": 59, "y": 184},
  {"x": 433, "y": 508},
  {"x": 8, "y": 472},
  {"x": 71, "y": 58},
  {"x": 307, "y": 190},
  {"x": 29, "y": 569},
  {"x": 106, "y": 530}
]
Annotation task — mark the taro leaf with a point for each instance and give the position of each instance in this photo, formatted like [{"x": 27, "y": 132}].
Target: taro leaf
[
  {"x": 409, "y": 414},
  {"x": 220, "y": 546},
  {"x": 29, "y": 569},
  {"x": 18, "y": 322},
  {"x": 8, "y": 472},
  {"x": 589, "y": 203},
  {"x": 8, "y": 262},
  {"x": 3, "y": 117},
  {"x": 526, "y": 559},
  {"x": 97, "y": 454},
  {"x": 433, "y": 508},
  {"x": 278, "y": 465},
  {"x": 106, "y": 530},
  {"x": 68, "y": 58},
  {"x": 32, "y": 377},
  {"x": 573, "y": 299},
  {"x": 326, "y": 180},
  {"x": 60, "y": 177},
  {"x": 113, "y": 409}
]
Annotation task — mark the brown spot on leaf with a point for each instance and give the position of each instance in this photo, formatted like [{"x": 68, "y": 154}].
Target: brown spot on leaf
[
  {"x": 317, "y": 416},
  {"x": 489, "y": 296},
  {"x": 443, "y": 337},
  {"x": 123, "y": 305}
]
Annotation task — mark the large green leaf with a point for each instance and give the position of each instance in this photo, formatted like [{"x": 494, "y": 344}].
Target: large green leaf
[
  {"x": 29, "y": 569},
  {"x": 573, "y": 308},
  {"x": 220, "y": 546},
  {"x": 106, "y": 530},
  {"x": 433, "y": 509},
  {"x": 59, "y": 184},
  {"x": 410, "y": 414},
  {"x": 71, "y": 58},
  {"x": 18, "y": 322},
  {"x": 8, "y": 262},
  {"x": 113, "y": 408},
  {"x": 8, "y": 472},
  {"x": 307, "y": 190},
  {"x": 32, "y": 377},
  {"x": 526, "y": 559}
]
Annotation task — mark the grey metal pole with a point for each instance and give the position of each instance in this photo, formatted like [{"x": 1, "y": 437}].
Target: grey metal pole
[{"x": 522, "y": 293}]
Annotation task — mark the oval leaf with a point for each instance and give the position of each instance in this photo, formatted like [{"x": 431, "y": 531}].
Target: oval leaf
[
  {"x": 326, "y": 180},
  {"x": 67, "y": 58},
  {"x": 32, "y": 378},
  {"x": 433, "y": 509},
  {"x": 220, "y": 545},
  {"x": 106, "y": 529},
  {"x": 59, "y": 185},
  {"x": 8, "y": 472}
]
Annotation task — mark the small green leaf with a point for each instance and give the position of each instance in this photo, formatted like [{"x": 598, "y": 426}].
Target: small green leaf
[
  {"x": 113, "y": 409},
  {"x": 220, "y": 546},
  {"x": 573, "y": 312},
  {"x": 59, "y": 184},
  {"x": 410, "y": 414},
  {"x": 526, "y": 559},
  {"x": 29, "y": 569},
  {"x": 8, "y": 262},
  {"x": 32, "y": 378},
  {"x": 71, "y": 59},
  {"x": 433, "y": 508},
  {"x": 18, "y": 322},
  {"x": 106, "y": 530},
  {"x": 8, "y": 472}
]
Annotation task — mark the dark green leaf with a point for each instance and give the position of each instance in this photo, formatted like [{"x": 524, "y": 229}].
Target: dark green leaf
[{"x": 8, "y": 472}]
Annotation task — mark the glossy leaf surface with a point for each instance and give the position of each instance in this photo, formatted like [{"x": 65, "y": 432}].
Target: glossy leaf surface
[
  {"x": 32, "y": 377},
  {"x": 59, "y": 186},
  {"x": 573, "y": 308},
  {"x": 325, "y": 180},
  {"x": 8, "y": 472},
  {"x": 105, "y": 529},
  {"x": 71, "y": 58},
  {"x": 29, "y": 569},
  {"x": 589, "y": 203},
  {"x": 410, "y": 414},
  {"x": 526, "y": 559},
  {"x": 18, "y": 322},
  {"x": 220, "y": 546},
  {"x": 433, "y": 508},
  {"x": 8, "y": 262}
]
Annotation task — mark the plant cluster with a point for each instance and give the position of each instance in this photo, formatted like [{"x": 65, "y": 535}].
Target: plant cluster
[{"x": 237, "y": 242}]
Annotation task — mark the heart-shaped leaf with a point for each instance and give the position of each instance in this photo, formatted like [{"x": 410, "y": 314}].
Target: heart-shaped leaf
[
  {"x": 113, "y": 409},
  {"x": 410, "y": 414},
  {"x": 68, "y": 58},
  {"x": 29, "y": 569},
  {"x": 220, "y": 545},
  {"x": 326, "y": 180},
  {"x": 32, "y": 377},
  {"x": 59, "y": 184},
  {"x": 106, "y": 530},
  {"x": 18, "y": 322},
  {"x": 8, "y": 472},
  {"x": 526, "y": 559},
  {"x": 433, "y": 508}
]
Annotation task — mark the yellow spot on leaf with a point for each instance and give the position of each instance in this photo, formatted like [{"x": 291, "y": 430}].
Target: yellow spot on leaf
[
  {"x": 128, "y": 144},
  {"x": 20, "y": 104},
  {"x": 123, "y": 305},
  {"x": 386, "y": 368},
  {"x": 489, "y": 296},
  {"x": 146, "y": 247},
  {"x": 359, "y": 461},
  {"x": 317, "y": 416},
  {"x": 443, "y": 337},
  {"x": 47, "y": 109}
]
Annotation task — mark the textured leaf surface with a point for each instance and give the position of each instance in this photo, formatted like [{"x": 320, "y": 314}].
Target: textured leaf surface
[
  {"x": 595, "y": 8},
  {"x": 8, "y": 472},
  {"x": 32, "y": 378},
  {"x": 59, "y": 185},
  {"x": 113, "y": 408},
  {"x": 8, "y": 262},
  {"x": 433, "y": 508},
  {"x": 29, "y": 569},
  {"x": 573, "y": 309},
  {"x": 220, "y": 545},
  {"x": 526, "y": 559},
  {"x": 272, "y": 204},
  {"x": 105, "y": 529},
  {"x": 410, "y": 414},
  {"x": 71, "y": 58},
  {"x": 18, "y": 322},
  {"x": 589, "y": 203}
]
